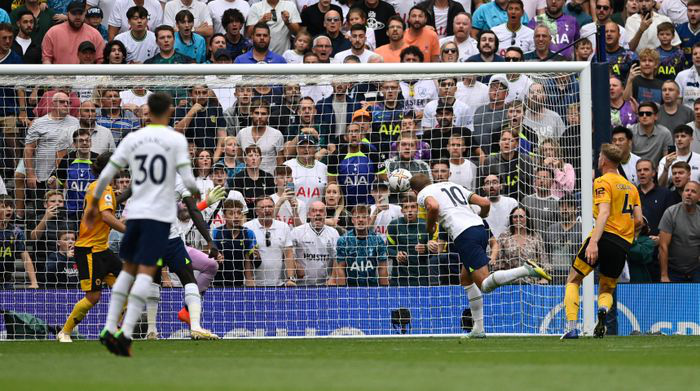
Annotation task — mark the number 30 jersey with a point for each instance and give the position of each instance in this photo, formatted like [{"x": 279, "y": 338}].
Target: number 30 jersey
[
  {"x": 622, "y": 197},
  {"x": 153, "y": 155},
  {"x": 455, "y": 214}
]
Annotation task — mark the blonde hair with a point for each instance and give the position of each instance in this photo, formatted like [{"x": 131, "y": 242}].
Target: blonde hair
[{"x": 612, "y": 153}]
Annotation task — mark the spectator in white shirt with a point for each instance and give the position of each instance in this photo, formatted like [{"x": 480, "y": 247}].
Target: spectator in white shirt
[
  {"x": 118, "y": 21},
  {"x": 641, "y": 28},
  {"x": 203, "y": 24},
  {"x": 218, "y": 7},
  {"x": 513, "y": 32},
  {"x": 358, "y": 40},
  {"x": 281, "y": 16},
  {"x": 462, "y": 27},
  {"x": 139, "y": 42}
]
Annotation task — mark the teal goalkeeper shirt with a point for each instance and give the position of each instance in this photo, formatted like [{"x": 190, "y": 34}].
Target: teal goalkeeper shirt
[{"x": 362, "y": 258}]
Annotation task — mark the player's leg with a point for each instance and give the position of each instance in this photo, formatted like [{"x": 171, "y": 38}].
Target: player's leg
[
  {"x": 579, "y": 270},
  {"x": 90, "y": 275},
  {"x": 206, "y": 268},
  {"x": 152, "y": 307},
  {"x": 476, "y": 303},
  {"x": 611, "y": 260}
]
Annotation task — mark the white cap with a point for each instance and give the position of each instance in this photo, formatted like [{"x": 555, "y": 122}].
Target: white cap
[{"x": 501, "y": 79}]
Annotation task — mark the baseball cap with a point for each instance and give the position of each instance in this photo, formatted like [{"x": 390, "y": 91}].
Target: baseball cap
[
  {"x": 85, "y": 46},
  {"x": 362, "y": 113},
  {"x": 501, "y": 79},
  {"x": 305, "y": 138},
  {"x": 222, "y": 53},
  {"x": 218, "y": 166},
  {"x": 75, "y": 5},
  {"x": 94, "y": 12}
]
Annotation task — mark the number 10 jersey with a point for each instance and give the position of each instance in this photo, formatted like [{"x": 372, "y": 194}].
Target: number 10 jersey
[{"x": 456, "y": 215}]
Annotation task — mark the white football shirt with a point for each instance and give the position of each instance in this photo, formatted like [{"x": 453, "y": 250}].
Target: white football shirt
[
  {"x": 271, "y": 269},
  {"x": 153, "y": 155},
  {"x": 381, "y": 222},
  {"x": 455, "y": 214},
  {"x": 138, "y": 51},
  {"x": 315, "y": 252},
  {"x": 180, "y": 193},
  {"x": 309, "y": 183}
]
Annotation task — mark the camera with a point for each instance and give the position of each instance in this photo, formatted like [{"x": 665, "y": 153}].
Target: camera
[{"x": 274, "y": 14}]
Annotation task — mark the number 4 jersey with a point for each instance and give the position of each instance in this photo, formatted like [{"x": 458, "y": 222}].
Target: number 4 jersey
[
  {"x": 455, "y": 213},
  {"x": 153, "y": 155},
  {"x": 622, "y": 197}
]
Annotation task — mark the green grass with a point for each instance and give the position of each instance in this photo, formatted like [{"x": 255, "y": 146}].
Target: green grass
[{"x": 614, "y": 363}]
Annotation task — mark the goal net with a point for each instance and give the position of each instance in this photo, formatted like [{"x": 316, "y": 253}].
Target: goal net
[{"x": 313, "y": 240}]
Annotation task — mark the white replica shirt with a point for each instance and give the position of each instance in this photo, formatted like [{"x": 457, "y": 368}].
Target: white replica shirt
[
  {"x": 271, "y": 143},
  {"x": 309, "y": 183},
  {"x": 218, "y": 7},
  {"x": 630, "y": 169},
  {"x": 689, "y": 81},
  {"x": 153, "y": 155},
  {"x": 224, "y": 89},
  {"x": 499, "y": 214},
  {"x": 128, "y": 97},
  {"x": 364, "y": 57},
  {"x": 316, "y": 91},
  {"x": 118, "y": 16},
  {"x": 292, "y": 57},
  {"x": 138, "y": 51},
  {"x": 440, "y": 21},
  {"x": 517, "y": 89},
  {"x": 403, "y": 7},
  {"x": 463, "y": 114},
  {"x": 279, "y": 33},
  {"x": 466, "y": 49},
  {"x": 649, "y": 38},
  {"x": 384, "y": 218},
  {"x": 418, "y": 94},
  {"x": 180, "y": 193},
  {"x": 285, "y": 213},
  {"x": 474, "y": 96},
  {"x": 693, "y": 159},
  {"x": 455, "y": 215},
  {"x": 271, "y": 269},
  {"x": 591, "y": 28},
  {"x": 524, "y": 38},
  {"x": 315, "y": 252},
  {"x": 464, "y": 174},
  {"x": 199, "y": 10},
  {"x": 676, "y": 10}
]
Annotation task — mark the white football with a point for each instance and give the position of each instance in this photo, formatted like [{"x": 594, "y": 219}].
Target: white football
[{"x": 400, "y": 180}]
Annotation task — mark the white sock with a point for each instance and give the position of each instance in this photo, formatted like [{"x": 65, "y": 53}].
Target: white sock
[
  {"x": 152, "y": 308},
  {"x": 120, "y": 291},
  {"x": 194, "y": 305},
  {"x": 503, "y": 277},
  {"x": 570, "y": 325},
  {"x": 476, "y": 305},
  {"x": 137, "y": 300}
]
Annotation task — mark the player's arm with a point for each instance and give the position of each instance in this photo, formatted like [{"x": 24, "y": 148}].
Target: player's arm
[
  {"x": 664, "y": 242},
  {"x": 248, "y": 268},
  {"x": 29, "y": 268},
  {"x": 185, "y": 171},
  {"x": 432, "y": 210},
  {"x": 382, "y": 269},
  {"x": 111, "y": 220},
  {"x": 339, "y": 270},
  {"x": 638, "y": 220},
  {"x": 482, "y": 202},
  {"x": 592, "y": 248},
  {"x": 201, "y": 225}
]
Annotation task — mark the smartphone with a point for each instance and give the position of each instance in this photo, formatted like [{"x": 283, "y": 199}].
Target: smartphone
[
  {"x": 274, "y": 14},
  {"x": 671, "y": 148},
  {"x": 289, "y": 187}
]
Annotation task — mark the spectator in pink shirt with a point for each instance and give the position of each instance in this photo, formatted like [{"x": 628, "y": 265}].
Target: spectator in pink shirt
[
  {"x": 44, "y": 106},
  {"x": 564, "y": 174},
  {"x": 60, "y": 45}
]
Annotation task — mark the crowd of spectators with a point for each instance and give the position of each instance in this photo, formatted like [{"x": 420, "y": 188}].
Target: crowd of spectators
[{"x": 305, "y": 165}]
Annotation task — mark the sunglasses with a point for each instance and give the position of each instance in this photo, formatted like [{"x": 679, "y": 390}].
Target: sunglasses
[
  {"x": 512, "y": 59},
  {"x": 267, "y": 239},
  {"x": 450, "y": 51},
  {"x": 512, "y": 39},
  {"x": 332, "y": 20},
  {"x": 645, "y": 113},
  {"x": 602, "y": 7}
]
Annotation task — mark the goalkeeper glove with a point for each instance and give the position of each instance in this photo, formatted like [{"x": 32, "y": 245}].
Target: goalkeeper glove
[{"x": 216, "y": 194}]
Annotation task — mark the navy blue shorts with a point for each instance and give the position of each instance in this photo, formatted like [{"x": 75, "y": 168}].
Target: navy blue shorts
[
  {"x": 471, "y": 247},
  {"x": 176, "y": 256},
  {"x": 144, "y": 242}
]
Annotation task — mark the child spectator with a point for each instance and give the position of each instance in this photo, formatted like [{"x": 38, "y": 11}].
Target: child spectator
[
  {"x": 61, "y": 269},
  {"x": 407, "y": 240},
  {"x": 671, "y": 58},
  {"x": 302, "y": 44},
  {"x": 237, "y": 244}
]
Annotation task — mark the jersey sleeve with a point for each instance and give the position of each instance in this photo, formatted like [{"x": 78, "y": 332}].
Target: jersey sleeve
[
  {"x": 119, "y": 157},
  {"x": 182, "y": 156},
  {"x": 287, "y": 236},
  {"x": 421, "y": 198},
  {"x": 602, "y": 193},
  {"x": 381, "y": 251},
  {"x": 107, "y": 200}
]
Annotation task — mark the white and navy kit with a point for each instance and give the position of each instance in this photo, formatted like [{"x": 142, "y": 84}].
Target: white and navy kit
[
  {"x": 463, "y": 225},
  {"x": 314, "y": 252},
  {"x": 272, "y": 243}
]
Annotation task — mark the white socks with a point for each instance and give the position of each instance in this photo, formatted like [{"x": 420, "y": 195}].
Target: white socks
[
  {"x": 476, "y": 305},
  {"x": 120, "y": 291},
  {"x": 503, "y": 277},
  {"x": 194, "y": 305},
  {"x": 152, "y": 308},
  {"x": 137, "y": 300}
]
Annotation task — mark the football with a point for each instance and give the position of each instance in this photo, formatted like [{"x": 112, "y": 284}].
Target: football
[{"x": 400, "y": 180}]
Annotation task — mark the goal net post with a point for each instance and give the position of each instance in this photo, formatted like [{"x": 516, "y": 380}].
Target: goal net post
[{"x": 526, "y": 145}]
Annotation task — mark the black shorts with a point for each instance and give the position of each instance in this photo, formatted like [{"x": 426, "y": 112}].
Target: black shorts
[
  {"x": 96, "y": 269},
  {"x": 613, "y": 252},
  {"x": 144, "y": 242}
]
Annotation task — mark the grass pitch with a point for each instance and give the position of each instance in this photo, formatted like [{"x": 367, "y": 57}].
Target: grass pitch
[{"x": 546, "y": 363}]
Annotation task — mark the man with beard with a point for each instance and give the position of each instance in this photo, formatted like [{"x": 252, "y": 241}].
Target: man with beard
[
  {"x": 203, "y": 121},
  {"x": 655, "y": 199},
  {"x": 268, "y": 139},
  {"x": 101, "y": 138},
  {"x": 563, "y": 28},
  {"x": 260, "y": 52},
  {"x": 542, "y": 50},
  {"x": 603, "y": 13},
  {"x": 489, "y": 118},
  {"x": 286, "y": 115},
  {"x": 439, "y": 136},
  {"x": 43, "y": 18},
  {"x": 511, "y": 167},
  {"x": 487, "y": 43},
  {"x": 332, "y": 22},
  {"x": 391, "y": 52},
  {"x": 544, "y": 122},
  {"x": 60, "y": 43},
  {"x": 24, "y": 44},
  {"x": 462, "y": 27},
  {"x": 336, "y": 110},
  {"x": 423, "y": 38},
  {"x": 447, "y": 88},
  {"x": 640, "y": 28},
  {"x": 501, "y": 205},
  {"x": 358, "y": 40},
  {"x": 620, "y": 59}
]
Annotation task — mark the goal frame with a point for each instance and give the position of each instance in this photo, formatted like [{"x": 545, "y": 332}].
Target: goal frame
[{"x": 580, "y": 67}]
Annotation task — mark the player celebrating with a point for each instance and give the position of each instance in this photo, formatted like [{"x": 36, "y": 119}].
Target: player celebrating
[
  {"x": 154, "y": 155},
  {"x": 449, "y": 203},
  {"x": 618, "y": 219},
  {"x": 97, "y": 264}
]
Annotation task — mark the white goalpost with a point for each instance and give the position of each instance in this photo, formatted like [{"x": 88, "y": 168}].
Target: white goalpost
[{"x": 529, "y": 141}]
